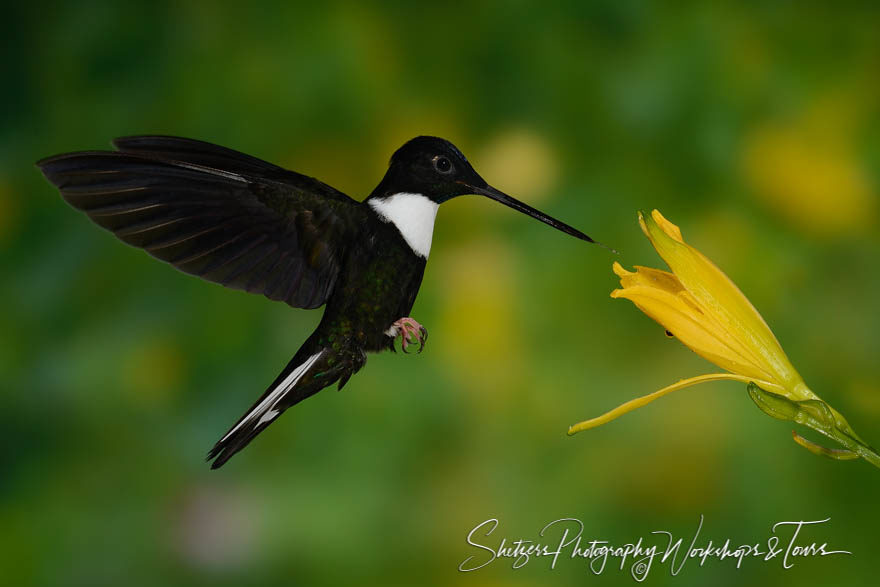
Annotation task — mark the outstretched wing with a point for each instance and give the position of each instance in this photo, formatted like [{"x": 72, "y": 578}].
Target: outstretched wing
[
  {"x": 217, "y": 157},
  {"x": 216, "y": 213}
]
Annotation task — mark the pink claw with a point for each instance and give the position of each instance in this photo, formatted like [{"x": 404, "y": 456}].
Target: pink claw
[{"x": 410, "y": 332}]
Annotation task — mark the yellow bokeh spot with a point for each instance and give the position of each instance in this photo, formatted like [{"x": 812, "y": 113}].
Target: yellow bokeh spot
[
  {"x": 482, "y": 314},
  {"x": 521, "y": 163},
  {"x": 809, "y": 172}
]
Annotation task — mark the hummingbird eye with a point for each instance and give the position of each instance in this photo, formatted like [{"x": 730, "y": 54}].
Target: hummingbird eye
[{"x": 442, "y": 164}]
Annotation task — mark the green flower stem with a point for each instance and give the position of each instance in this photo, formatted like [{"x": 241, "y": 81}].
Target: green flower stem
[{"x": 819, "y": 416}]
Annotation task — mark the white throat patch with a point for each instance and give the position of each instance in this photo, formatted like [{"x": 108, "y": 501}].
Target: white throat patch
[{"x": 413, "y": 215}]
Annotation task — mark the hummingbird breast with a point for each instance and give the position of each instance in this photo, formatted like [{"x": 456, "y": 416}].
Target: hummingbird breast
[{"x": 378, "y": 285}]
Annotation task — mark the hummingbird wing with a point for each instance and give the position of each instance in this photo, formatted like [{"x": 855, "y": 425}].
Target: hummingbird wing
[
  {"x": 217, "y": 157},
  {"x": 216, "y": 213}
]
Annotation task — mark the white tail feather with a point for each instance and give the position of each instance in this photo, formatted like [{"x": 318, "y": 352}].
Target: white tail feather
[{"x": 265, "y": 410}]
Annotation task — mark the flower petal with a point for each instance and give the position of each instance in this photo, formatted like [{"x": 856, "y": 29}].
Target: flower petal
[
  {"x": 720, "y": 299},
  {"x": 649, "y": 277},
  {"x": 684, "y": 318},
  {"x": 674, "y": 312}
]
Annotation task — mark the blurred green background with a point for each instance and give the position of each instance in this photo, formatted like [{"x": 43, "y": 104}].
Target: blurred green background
[{"x": 754, "y": 126}]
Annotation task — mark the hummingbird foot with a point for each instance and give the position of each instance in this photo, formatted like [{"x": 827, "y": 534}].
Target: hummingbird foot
[{"x": 410, "y": 332}]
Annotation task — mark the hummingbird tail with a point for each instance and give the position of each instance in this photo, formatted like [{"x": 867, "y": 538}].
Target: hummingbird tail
[{"x": 312, "y": 369}]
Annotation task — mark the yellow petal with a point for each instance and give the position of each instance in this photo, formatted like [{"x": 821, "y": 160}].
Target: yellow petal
[
  {"x": 647, "y": 276},
  {"x": 686, "y": 322},
  {"x": 697, "y": 331},
  {"x": 737, "y": 353},
  {"x": 721, "y": 301}
]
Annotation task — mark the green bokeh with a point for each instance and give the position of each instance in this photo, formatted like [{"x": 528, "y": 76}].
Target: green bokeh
[{"x": 119, "y": 373}]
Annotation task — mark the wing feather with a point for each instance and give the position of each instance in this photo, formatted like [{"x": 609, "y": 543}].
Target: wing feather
[{"x": 213, "y": 212}]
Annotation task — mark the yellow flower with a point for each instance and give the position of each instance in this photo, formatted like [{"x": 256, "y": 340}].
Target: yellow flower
[{"x": 700, "y": 306}]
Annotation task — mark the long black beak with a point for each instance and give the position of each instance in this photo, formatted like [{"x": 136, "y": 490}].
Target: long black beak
[{"x": 500, "y": 196}]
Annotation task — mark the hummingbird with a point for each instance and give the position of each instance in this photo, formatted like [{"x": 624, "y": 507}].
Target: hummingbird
[{"x": 236, "y": 220}]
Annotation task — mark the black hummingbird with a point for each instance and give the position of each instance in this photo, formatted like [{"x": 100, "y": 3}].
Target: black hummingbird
[{"x": 247, "y": 224}]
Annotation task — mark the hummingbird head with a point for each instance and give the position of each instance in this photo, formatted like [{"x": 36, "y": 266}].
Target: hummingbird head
[
  {"x": 435, "y": 169},
  {"x": 429, "y": 166}
]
